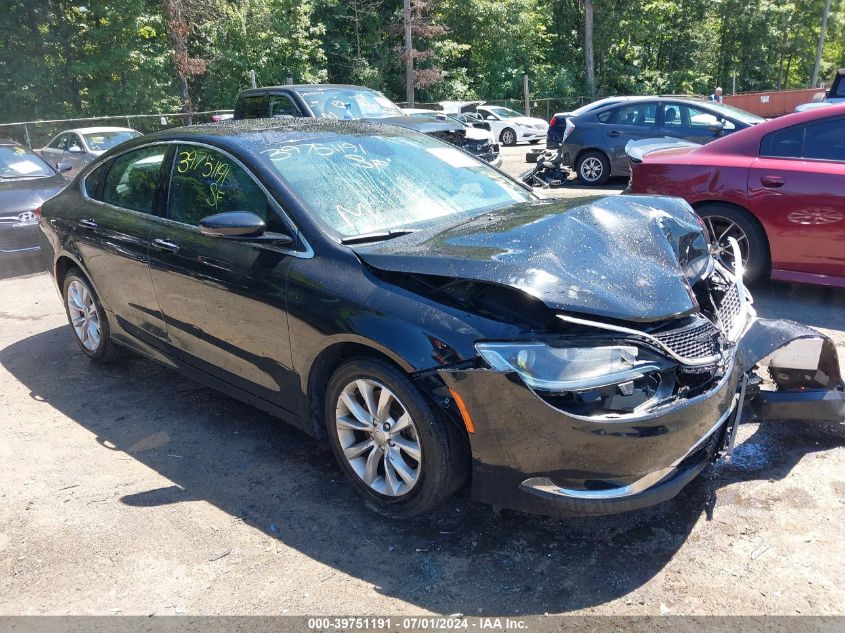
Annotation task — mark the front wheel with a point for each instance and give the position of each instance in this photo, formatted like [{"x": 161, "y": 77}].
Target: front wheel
[
  {"x": 401, "y": 455},
  {"x": 724, "y": 222},
  {"x": 508, "y": 137},
  {"x": 593, "y": 168}
]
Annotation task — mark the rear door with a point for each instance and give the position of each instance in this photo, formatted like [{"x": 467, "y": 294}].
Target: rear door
[
  {"x": 632, "y": 121},
  {"x": 223, "y": 299},
  {"x": 111, "y": 234},
  {"x": 797, "y": 187}
]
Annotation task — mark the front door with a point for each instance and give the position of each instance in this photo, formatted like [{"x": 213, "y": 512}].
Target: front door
[
  {"x": 679, "y": 120},
  {"x": 797, "y": 187},
  {"x": 223, "y": 299},
  {"x": 112, "y": 232}
]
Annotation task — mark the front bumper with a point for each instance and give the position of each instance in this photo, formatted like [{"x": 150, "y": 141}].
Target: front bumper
[
  {"x": 530, "y": 456},
  {"x": 531, "y": 135}
]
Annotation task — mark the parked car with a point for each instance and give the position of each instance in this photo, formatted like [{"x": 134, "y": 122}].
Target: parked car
[
  {"x": 425, "y": 314},
  {"x": 557, "y": 124},
  {"x": 342, "y": 102},
  {"x": 777, "y": 188},
  {"x": 511, "y": 127},
  {"x": 81, "y": 146},
  {"x": 26, "y": 181},
  {"x": 594, "y": 142},
  {"x": 836, "y": 94}
]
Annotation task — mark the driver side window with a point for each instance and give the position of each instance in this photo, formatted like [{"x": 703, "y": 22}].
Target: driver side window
[{"x": 204, "y": 182}]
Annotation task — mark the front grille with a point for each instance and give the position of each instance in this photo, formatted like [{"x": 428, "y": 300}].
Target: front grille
[
  {"x": 729, "y": 309},
  {"x": 695, "y": 341}
]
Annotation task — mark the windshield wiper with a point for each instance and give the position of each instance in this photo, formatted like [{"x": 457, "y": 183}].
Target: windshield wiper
[{"x": 379, "y": 236}]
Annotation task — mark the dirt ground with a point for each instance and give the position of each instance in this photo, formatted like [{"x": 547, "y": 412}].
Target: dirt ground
[{"x": 128, "y": 489}]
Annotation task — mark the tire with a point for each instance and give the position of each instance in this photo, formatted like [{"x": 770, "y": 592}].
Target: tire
[
  {"x": 427, "y": 448},
  {"x": 725, "y": 221},
  {"x": 87, "y": 318},
  {"x": 508, "y": 137},
  {"x": 593, "y": 168}
]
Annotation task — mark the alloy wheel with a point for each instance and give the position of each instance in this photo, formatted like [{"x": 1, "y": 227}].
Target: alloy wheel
[
  {"x": 378, "y": 437},
  {"x": 83, "y": 315},
  {"x": 509, "y": 137},
  {"x": 720, "y": 229},
  {"x": 591, "y": 169}
]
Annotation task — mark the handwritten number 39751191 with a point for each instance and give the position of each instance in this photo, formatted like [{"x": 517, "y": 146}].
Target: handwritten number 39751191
[{"x": 215, "y": 171}]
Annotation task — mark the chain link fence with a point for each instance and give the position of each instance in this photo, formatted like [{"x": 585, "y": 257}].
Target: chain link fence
[
  {"x": 36, "y": 134},
  {"x": 543, "y": 108}
]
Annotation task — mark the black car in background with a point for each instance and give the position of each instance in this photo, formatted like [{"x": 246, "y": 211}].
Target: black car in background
[
  {"x": 426, "y": 315},
  {"x": 594, "y": 138},
  {"x": 352, "y": 103},
  {"x": 26, "y": 181}
]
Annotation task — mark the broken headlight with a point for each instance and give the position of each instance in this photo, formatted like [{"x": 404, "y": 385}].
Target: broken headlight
[{"x": 558, "y": 369}]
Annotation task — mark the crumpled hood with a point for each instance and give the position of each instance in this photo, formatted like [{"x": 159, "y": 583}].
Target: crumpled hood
[
  {"x": 420, "y": 124},
  {"x": 621, "y": 257}
]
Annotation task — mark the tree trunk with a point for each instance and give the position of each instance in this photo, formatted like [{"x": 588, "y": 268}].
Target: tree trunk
[
  {"x": 409, "y": 56},
  {"x": 178, "y": 29},
  {"x": 820, "y": 48},
  {"x": 589, "y": 61}
]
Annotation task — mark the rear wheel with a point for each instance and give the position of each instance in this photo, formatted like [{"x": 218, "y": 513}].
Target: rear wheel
[
  {"x": 508, "y": 137},
  {"x": 724, "y": 222},
  {"x": 593, "y": 168},
  {"x": 398, "y": 452},
  {"x": 87, "y": 317}
]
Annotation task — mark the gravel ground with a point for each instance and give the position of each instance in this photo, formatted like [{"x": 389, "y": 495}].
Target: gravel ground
[{"x": 129, "y": 489}]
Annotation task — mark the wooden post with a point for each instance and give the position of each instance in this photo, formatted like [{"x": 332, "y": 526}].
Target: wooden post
[
  {"x": 526, "y": 95},
  {"x": 820, "y": 48},
  {"x": 409, "y": 56},
  {"x": 589, "y": 62}
]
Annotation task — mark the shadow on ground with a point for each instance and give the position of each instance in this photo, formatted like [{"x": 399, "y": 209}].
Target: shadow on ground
[
  {"x": 281, "y": 482},
  {"x": 20, "y": 266}
]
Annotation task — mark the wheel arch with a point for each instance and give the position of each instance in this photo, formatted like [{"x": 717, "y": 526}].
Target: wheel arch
[
  {"x": 702, "y": 205},
  {"x": 324, "y": 364}
]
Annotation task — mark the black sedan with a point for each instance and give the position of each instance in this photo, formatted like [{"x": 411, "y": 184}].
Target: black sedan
[
  {"x": 592, "y": 139},
  {"x": 25, "y": 182},
  {"x": 354, "y": 103},
  {"x": 426, "y": 315}
]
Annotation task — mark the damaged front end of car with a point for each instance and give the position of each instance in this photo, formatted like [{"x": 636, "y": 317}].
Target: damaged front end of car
[{"x": 601, "y": 411}]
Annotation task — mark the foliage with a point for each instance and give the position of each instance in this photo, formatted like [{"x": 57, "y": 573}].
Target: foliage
[{"x": 64, "y": 58}]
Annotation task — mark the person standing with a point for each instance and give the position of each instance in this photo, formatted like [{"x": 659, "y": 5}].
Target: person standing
[{"x": 717, "y": 96}]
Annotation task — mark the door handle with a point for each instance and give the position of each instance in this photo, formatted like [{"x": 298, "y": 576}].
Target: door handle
[
  {"x": 164, "y": 245},
  {"x": 88, "y": 223},
  {"x": 614, "y": 133},
  {"x": 772, "y": 181}
]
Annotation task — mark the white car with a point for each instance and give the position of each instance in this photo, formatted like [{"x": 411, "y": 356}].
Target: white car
[
  {"x": 80, "y": 146},
  {"x": 510, "y": 127}
]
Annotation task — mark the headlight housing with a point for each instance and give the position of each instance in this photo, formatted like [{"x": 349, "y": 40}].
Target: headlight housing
[{"x": 559, "y": 369}]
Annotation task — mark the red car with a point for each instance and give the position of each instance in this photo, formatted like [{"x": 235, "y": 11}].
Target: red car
[{"x": 777, "y": 187}]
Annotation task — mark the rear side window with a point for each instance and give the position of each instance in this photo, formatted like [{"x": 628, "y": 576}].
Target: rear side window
[
  {"x": 824, "y": 140},
  {"x": 254, "y": 107},
  {"x": 94, "y": 181},
  {"x": 640, "y": 114},
  {"x": 206, "y": 182},
  {"x": 281, "y": 105},
  {"x": 132, "y": 180}
]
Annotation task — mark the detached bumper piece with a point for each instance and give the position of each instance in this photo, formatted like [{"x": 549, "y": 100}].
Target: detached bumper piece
[{"x": 532, "y": 456}]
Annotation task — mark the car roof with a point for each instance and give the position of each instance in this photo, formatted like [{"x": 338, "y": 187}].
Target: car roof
[
  {"x": 97, "y": 130},
  {"x": 302, "y": 87},
  {"x": 747, "y": 142}
]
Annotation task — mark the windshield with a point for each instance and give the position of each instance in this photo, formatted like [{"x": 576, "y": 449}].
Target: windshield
[
  {"x": 735, "y": 113},
  {"x": 365, "y": 184},
  {"x": 18, "y": 162},
  {"x": 101, "y": 141},
  {"x": 350, "y": 103},
  {"x": 504, "y": 113}
]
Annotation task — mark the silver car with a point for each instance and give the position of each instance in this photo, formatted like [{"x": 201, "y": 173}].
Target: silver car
[{"x": 80, "y": 146}]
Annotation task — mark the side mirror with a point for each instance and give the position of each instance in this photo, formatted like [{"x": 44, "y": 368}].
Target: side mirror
[
  {"x": 63, "y": 166},
  {"x": 716, "y": 127},
  {"x": 75, "y": 149},
  {"x": 241, "y": 225},
  {"x": 233, "y": 224}
]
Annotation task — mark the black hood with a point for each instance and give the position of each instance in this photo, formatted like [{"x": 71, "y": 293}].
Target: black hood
[
  {"x": 425, "y": 125},
  {"x": 26, "y": 194},
  {"x": 631, "y": 258}
]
